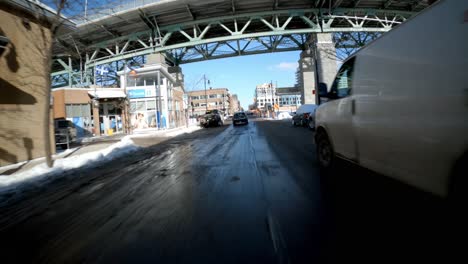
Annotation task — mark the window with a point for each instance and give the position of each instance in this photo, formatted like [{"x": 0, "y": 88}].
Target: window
[
  {"x": 132, "y": 107},
  {"x": 140, "y": 81},
  {"x": 195, "y": 97},
  {"x": 77, "y": 110},
  {"x": 131, "y": 81},
  {"x": 150, "y": 105},
  {"x": 140, "y": 106},
  {"x": 212, "y": 95},
  {"x": 342, "y": 85},
  {"x": 150, "y": 80}
]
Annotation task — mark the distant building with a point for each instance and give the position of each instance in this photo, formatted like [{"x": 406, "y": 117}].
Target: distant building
[
  {"x": 216, "y": 98},
  {"x": 265, "y": 95},
  {"x": 235, "y": 104},
  {"x": 289, "y": 98}
]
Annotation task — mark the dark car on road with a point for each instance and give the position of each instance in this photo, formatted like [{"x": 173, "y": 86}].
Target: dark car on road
[
  {"x": 301, "y": 118},
  {"x": 211, "y": 118},
  {"x": 240, "y": 118}
]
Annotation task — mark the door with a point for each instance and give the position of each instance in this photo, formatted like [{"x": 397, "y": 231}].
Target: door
[{"x": 340, "y": 113}]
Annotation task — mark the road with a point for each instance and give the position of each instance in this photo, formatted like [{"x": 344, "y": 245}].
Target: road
[{"x": 249, "y": 194}]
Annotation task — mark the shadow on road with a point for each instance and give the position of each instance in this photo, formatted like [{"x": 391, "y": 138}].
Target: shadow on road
[{"x": 369, "y": 217}]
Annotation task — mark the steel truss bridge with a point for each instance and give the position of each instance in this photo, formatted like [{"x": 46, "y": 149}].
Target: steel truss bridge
[{"x": 190, "y": 31}]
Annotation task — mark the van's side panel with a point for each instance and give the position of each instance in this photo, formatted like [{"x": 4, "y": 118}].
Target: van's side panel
[{"x": 411, "y": 96}]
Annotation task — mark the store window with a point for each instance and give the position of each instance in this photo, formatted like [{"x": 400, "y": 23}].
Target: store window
[{"x": 77, "y": 110}]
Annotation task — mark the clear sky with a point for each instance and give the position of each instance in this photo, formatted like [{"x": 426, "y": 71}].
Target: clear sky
[{"x": 243, "y": 73}]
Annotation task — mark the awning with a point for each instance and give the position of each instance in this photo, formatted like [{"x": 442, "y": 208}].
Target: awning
[{"x": 107, "y": 94}]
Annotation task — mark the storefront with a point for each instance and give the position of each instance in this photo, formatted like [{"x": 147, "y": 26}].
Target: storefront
[
  {"x": 110, "y": 103},
  {"x": 150, "y": 91}
]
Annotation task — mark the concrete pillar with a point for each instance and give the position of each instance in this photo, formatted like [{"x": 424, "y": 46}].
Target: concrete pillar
[
  {"x": 155, "y": 58},
  {"x": 321, "y": 51},
  {"x": 326, "y": 58},
  {"x": 307, "y": 77},
  {"x": 97, "y": 127}
]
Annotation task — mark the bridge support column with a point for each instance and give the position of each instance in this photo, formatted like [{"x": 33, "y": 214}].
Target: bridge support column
[
  {"x": 155, "y": 58},
  {"x": 317, "y": 64}
]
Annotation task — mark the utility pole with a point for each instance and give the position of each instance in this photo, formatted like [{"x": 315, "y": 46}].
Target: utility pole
[{"x": 206, "y": 97}]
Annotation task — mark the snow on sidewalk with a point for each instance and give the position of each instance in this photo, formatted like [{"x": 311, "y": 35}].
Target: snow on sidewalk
[{"x": 41, "y": 174}]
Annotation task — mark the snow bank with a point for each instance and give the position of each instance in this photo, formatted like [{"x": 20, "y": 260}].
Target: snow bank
[{"x": 41, "y": 173}]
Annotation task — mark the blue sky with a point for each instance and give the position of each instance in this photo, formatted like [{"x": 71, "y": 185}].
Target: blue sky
[{"x": 241, "y": 74}]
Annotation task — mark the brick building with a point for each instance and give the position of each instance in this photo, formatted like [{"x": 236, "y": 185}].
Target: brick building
[
  {"x": 90, "y": 108},
  {"x": 216, "y": 98}
]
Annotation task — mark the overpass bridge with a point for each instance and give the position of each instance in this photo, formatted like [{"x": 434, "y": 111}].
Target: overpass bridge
[{"x": 191, "y": 30}]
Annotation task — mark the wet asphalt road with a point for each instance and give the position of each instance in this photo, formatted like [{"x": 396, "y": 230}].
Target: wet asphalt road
[{"x": 249, "y": 194}]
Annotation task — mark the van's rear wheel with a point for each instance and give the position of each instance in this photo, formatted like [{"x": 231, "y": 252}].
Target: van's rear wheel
[{"x": 325, "y": 153}]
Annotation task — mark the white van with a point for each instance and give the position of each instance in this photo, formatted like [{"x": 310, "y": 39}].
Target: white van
[{"x": 399, "y": 106}]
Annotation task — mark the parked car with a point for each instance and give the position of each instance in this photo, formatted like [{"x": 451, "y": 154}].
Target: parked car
[
  {"x": 399, "y": 105},
  {"x": 239, "y": 119},
  {"x": 65, "y": 132},
  {"x": 210, "y": 118},
  {"x": 311, "y": 120},
  {"x": 301, "y": 118}
]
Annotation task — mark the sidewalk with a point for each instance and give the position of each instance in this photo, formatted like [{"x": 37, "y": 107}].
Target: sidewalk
[{"x": 89, "y": 146}]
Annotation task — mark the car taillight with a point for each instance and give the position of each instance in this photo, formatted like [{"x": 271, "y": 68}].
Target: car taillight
[{"x": 306, "y": 115}]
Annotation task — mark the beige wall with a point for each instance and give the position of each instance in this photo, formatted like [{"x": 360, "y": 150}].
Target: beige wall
[
  {"x": 23, "y": 84},
  {"x": 59, "y": 104}
]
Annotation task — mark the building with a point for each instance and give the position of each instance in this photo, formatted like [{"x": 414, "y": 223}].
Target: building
[
  {"x": 265, "y": 96},
  {"x": 202, "y": 100},
  {"x": 101, "y": 110},
  {"x": 155, "y": 95},
  {"x": 25, "y": 108},
  {"x": 235, "y": 104},
  {"x": 90, "y": 108},
  {"x": 289, "y": 98}
]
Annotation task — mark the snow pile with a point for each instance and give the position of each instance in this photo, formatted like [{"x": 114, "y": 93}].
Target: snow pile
[{"x": 41, "y": 173}]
